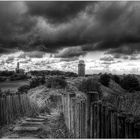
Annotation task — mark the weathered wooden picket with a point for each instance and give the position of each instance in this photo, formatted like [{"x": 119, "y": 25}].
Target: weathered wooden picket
[
  {"x": 15, "y": 105},
  {"x": 91, "y": 118}
]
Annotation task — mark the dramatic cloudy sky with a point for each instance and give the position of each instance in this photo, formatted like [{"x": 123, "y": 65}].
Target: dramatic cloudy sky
[{"x": 56, "y": 35}]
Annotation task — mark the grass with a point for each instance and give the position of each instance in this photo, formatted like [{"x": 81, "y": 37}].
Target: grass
[{"x": 12, "y": 85}]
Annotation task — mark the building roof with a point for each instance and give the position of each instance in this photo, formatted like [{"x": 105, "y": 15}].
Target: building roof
[{"x": 81, "y": 62}]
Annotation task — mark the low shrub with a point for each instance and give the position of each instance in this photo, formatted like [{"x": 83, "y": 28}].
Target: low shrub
[
  {"x": 23, "y": 89},
  {"x": 37, "y": 81},
  {"x": 89, "y": 85},
  {"x": 130, "y": 83},
  {"x": 116, "y": 78},
  {"x": 105, "y": 79},
  {"x": 56, "y": 82}
]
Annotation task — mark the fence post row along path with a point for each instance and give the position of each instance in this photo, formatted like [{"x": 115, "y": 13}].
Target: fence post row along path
[
  {"x": 15, "y": 105},
  {"x": 90, "y": 118}
]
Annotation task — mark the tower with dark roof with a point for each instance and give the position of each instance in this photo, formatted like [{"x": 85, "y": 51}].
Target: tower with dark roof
[{"x": 81, "y": 68}]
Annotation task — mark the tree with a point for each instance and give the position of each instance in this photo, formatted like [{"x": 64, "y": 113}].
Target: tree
[
  {"x": 57, "y": 82},
  {"x": 89, "y": 84},
  {"x": 105, "y": 79},
  {"x": 42, "y": 80},
  {"x": 34, "y": 82},
  {"x": 24, "y": 89},
  {"x": 116, "y": 78},
  {"x": 130, "y": 83},
  {"x": 1, "y": 92}
]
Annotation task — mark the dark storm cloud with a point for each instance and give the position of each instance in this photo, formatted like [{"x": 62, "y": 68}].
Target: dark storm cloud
[
  {"x": 107, "y": 58},
  {"x": 69, "y": 59},
  {"x": 32, "y": 54},
  {"x": 125, "y": 49},
  {"x": 70, "y": 52},
  {"x": 14, "y": 24},
  {"x": 122, "y": 56},
  {"x": 134, "y": 57},
  {"x": 125, "y": 57},
  {"x": 100, "y": 26},
  {"x": 58, "y": 26},
  {"x": 58, "y": 11},
  {"x": 4, "y": 50}
]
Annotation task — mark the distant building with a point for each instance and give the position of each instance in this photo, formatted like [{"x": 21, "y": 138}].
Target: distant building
[
  {"x": 18, "y": 70},
  {"x": 81, "y": 68}
]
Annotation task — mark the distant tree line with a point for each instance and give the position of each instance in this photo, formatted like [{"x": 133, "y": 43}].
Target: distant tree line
[
  {"x": 54, "y": 72},
  {"x": 11, "y": 75},
  {"x": 7, "y": 73}
]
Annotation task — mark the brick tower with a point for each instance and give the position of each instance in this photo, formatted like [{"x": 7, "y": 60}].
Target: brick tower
[{"x": 81, "y": 68}]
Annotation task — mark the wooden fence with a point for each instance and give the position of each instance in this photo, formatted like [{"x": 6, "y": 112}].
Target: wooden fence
[
  {"x": 90, "y": 118},
  {"x": 15, "y": 105},
  {"x": 74, "y": 109}
]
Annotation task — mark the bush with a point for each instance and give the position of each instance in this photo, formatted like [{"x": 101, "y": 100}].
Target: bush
[
  {"x": 18, "y": 77},
  {"x": 23, "y": 89},
  {"x": 130, "y": 83},
  {"x": 105, "y": 79},
  {"x": 42, "y": 80},
  {"x": 116, "y": 78},
  {"x": 37, "y": 81},
  {"x": 2, "y": 79},
  {"x": 56, "y": 82},
  {"x": 89, "y": 85},
  {"x": 34, "y": 83}
]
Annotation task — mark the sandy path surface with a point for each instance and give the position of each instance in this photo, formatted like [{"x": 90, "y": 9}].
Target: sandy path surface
[{"x": 41, "y": 126}]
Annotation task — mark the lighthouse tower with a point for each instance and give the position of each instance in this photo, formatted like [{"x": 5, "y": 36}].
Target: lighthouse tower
[{"x": 81, "y": 68}]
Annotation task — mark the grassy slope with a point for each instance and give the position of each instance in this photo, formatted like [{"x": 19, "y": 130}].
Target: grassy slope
[
  {"x": 118, "y": 97},
  {"x": 42, "y": 94},
  {"x": 121, "y": 99},
  {"x": 114, "y": 94}
]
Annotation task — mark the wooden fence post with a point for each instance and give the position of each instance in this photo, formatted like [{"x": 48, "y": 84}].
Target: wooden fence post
[
  {"x": 72, "y": 96},
  {"x": 137, "y": 130},
  {"x": 84, "y": 119},
  {"x": 128, "y": 131},
  {"x": 74, "y": 113},
  {"x": 121, "y": 125},
  {"x": 104, "y": 121},
  {"x": 113, "y": 121},
  {"x": 116, "y": 123},
  {"x": 0, "y": 112},
  {"x": 131, "y": 128},
  {"x": 91, "y": 97},
  {"x": 4, "y": 110},
  {"x": 137, "y": 127}
]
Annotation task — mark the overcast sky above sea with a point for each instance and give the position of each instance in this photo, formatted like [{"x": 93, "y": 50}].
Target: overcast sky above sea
[{"x": 50, "y": 35}]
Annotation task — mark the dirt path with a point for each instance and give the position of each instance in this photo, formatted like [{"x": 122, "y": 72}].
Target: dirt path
[{"x": 42, "y": 126}]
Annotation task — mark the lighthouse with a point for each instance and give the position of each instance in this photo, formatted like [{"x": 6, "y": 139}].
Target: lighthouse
[{"x": 81, "y": 68}]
